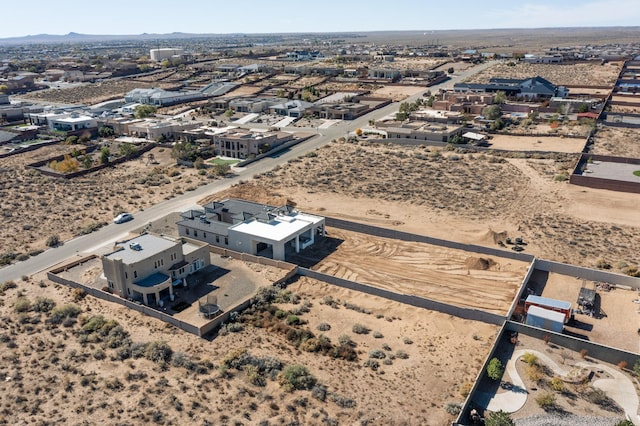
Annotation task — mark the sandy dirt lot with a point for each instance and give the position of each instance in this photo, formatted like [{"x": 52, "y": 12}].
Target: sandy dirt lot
[
  {"x": 461, "y": 197},
  {"x": 582, "y": 74},
  {"x": 619, "y": 142},
  {"x": 68, "y": 207},
  {"x": 242, "y": 91},
  {"x": 451, "y": 276},
  {"x": 397, "y": 93},
  {"x": 533, "y": 143}
]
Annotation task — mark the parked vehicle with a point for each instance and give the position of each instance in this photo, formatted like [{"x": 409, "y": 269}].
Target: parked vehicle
[{"x": 123, "y": 217}]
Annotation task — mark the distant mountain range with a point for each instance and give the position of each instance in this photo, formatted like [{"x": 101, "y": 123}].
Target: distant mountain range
[{"x": 92, "y": 38}]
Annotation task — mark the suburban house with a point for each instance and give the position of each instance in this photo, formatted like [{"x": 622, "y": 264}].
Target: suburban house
[
  {"x": 72, "y": 122},
  {"x": 294, "y": 108},
  {"x": 304, "y": 55},
  {"x": 339, "y": 110},
  {"x": 159, "y": 55},
  {"x": 148, "y": 267},
  {"x": 384, "y": 73},
  {"x": 253, "y": 105},
  {"x": 543, "y": 59},
  {"x": 154, "y": 129},
  {"x": 253, "y": 228},
  {"x": 160, "y": 97},
  {"x": 530, "y": 88},
  {"x": 243, "y": 144},
  {"x": 421, "y": 131}
]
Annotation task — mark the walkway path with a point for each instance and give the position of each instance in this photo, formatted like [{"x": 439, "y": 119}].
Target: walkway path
[{"x": 620, "y": 388}]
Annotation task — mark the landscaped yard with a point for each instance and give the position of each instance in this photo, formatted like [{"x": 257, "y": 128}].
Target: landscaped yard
[{"x": 222, "y": 161}]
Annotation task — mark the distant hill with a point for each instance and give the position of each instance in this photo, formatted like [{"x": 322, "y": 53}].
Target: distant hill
[{"x": 88, "y": 38}]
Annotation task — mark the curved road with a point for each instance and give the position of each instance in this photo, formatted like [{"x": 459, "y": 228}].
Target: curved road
[{"x": 112, "y": 232}]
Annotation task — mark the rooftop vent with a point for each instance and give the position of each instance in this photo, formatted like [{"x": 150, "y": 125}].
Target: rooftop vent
[{"x": 135, "y": 246}]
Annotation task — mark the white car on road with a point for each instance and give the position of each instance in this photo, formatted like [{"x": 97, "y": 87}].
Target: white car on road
[{"x": 123, "y": 217}]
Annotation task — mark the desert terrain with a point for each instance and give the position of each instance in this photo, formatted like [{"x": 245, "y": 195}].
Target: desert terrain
[
  {"x": 67, "y": 357},
  {"x": 580, "y": 74},
  {"x": 619, "y": 142}
]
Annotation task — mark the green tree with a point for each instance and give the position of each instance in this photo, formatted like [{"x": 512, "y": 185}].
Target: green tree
[
  {"x": 184, "y": 151},
  {"x": 296, "y": 376},
  {"x": 500, "y": 97},
  {"x": 86, "y": 161},
  {"x": 126, "y": 149},
  {"x": 3, "y": 88},
  {"x": 499, "y": 418},
  {"x": 494, "y": 369},
  {"x": 143, "y": 111},
  {"x": 222, "y": 169},
  {"x": 583, "y": 108},
  {"x": 229, "y": 113},
  {"x": 71, "y": 140},
  {"x": 105, "y": 132},
  {"x": 497, "y": 124},
  {"x": 492, "y": 112},
  {"x": 450, "y": 70},
  {"x": 104, "y": 155}
]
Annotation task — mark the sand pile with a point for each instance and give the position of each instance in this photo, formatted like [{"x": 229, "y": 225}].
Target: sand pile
[
  {"x": 479, "y": 263},
  {"x": 494, "y": 237}
]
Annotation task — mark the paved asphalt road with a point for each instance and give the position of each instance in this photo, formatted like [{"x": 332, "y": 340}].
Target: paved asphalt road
[{"x": 113, "y": 232}]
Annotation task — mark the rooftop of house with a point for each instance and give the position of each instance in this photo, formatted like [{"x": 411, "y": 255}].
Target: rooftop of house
[
  {"x": 278, "y": 227},
  {"x": 141, "y": 247}
]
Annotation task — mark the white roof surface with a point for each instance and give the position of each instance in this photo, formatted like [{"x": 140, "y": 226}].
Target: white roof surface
[
  {"x": 539, "y": 312},
  {"x": 281, "y": 228},
  {"x": 150, "y": 245}
]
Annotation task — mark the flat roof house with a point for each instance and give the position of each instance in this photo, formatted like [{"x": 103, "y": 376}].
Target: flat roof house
[
  {"x": 253, "y": 228},
  {"x": 148, "y": 266}
]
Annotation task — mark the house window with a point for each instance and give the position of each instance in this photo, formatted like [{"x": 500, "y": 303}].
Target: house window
[
  {"x": 195, "y": 233},
  {"x": 226, "y": 240},
  {"x": 129, "y": 291},
  {"x": 110, "y": 284},
  {"x": 204, "y": 234},
  {"x": 217, "y": 238},
  {"x": 135, "y": 274},
  {"x": 161, "y": 262},
  {"x": 126, "y": 276},
  {"x": 186, "y": 231}
]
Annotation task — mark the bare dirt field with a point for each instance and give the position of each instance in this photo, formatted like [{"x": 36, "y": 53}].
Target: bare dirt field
[
  {"x": 537, "y": 143},
  {"x": 450, "y": 276},
  {"x": 617, "y": 327},
  {"x": 396, "y": 93},
  {"x": 619, "y": 142},
  {"x": 242, "y": 91},
  {"x": 582, "y": 74},
  {"x": 137, "y": 370},
  {"x": 93, "y": 93},
  {"x": 460, "y": 197}
]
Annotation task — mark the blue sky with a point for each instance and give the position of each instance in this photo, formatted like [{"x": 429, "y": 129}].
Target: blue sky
[{"x": 264, "y": 16}]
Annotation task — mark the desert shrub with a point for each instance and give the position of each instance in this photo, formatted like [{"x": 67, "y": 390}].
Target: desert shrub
[
  {"x": 402, "y": 354},
  {"x": 53, "y": 241},
  {"x": 254, "y": 376},
  {"x": 329, "y": 301},
  {"x": 562, "y": 177},
  {"x": 603, "y": 264},
  {"x": 530, "y": 358},
  {"x": 377, "y": 335},
  {"x": 453, "y": 408},
  {"x": 557, "y": 384},
  {"x": 7, "y": 285},
  {"x": 372, "y": 364},
  {"x": 22, "y": 304},
  {"x": 624, "y": 423},
  {"x": 137, "y": 350},
  {"x": 360, "y": 329},
  {"x": 599, "y": 397},
  {"x": 494, "y": 369},
  {"x": 345, "y": 339},
  {"x": 341, "y": 401},
  {"x": 319, "y": 392},
  {"x": 636, "y": 368},
  {"x": 622, "y": 365},
  {"x": 546, "y": 401},
  {"x": 43, "y": 304},
  {"x": 465, "y": 389},
  {"x": 377, "y": 354},
  {"x": 293, "y": 320},
  {"x": 499, "y": 418},
  {"x": 280, "y": 314},
  {"x": 407, "y": 341},
  {"x": 317, "y": 344},
  {"x": 323, "y": 326},
  {"x": 535, "y": 373},
  {"x": 22, "y": 257},
  {"x": 295, "y": 377},
  {"x": 158, "y": 351},
  {"x": 78, "y": 294},
  {"x": 99, "y": 354}
]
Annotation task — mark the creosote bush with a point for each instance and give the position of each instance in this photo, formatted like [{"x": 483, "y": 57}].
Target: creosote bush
[{"x": 296, "y": 377}]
